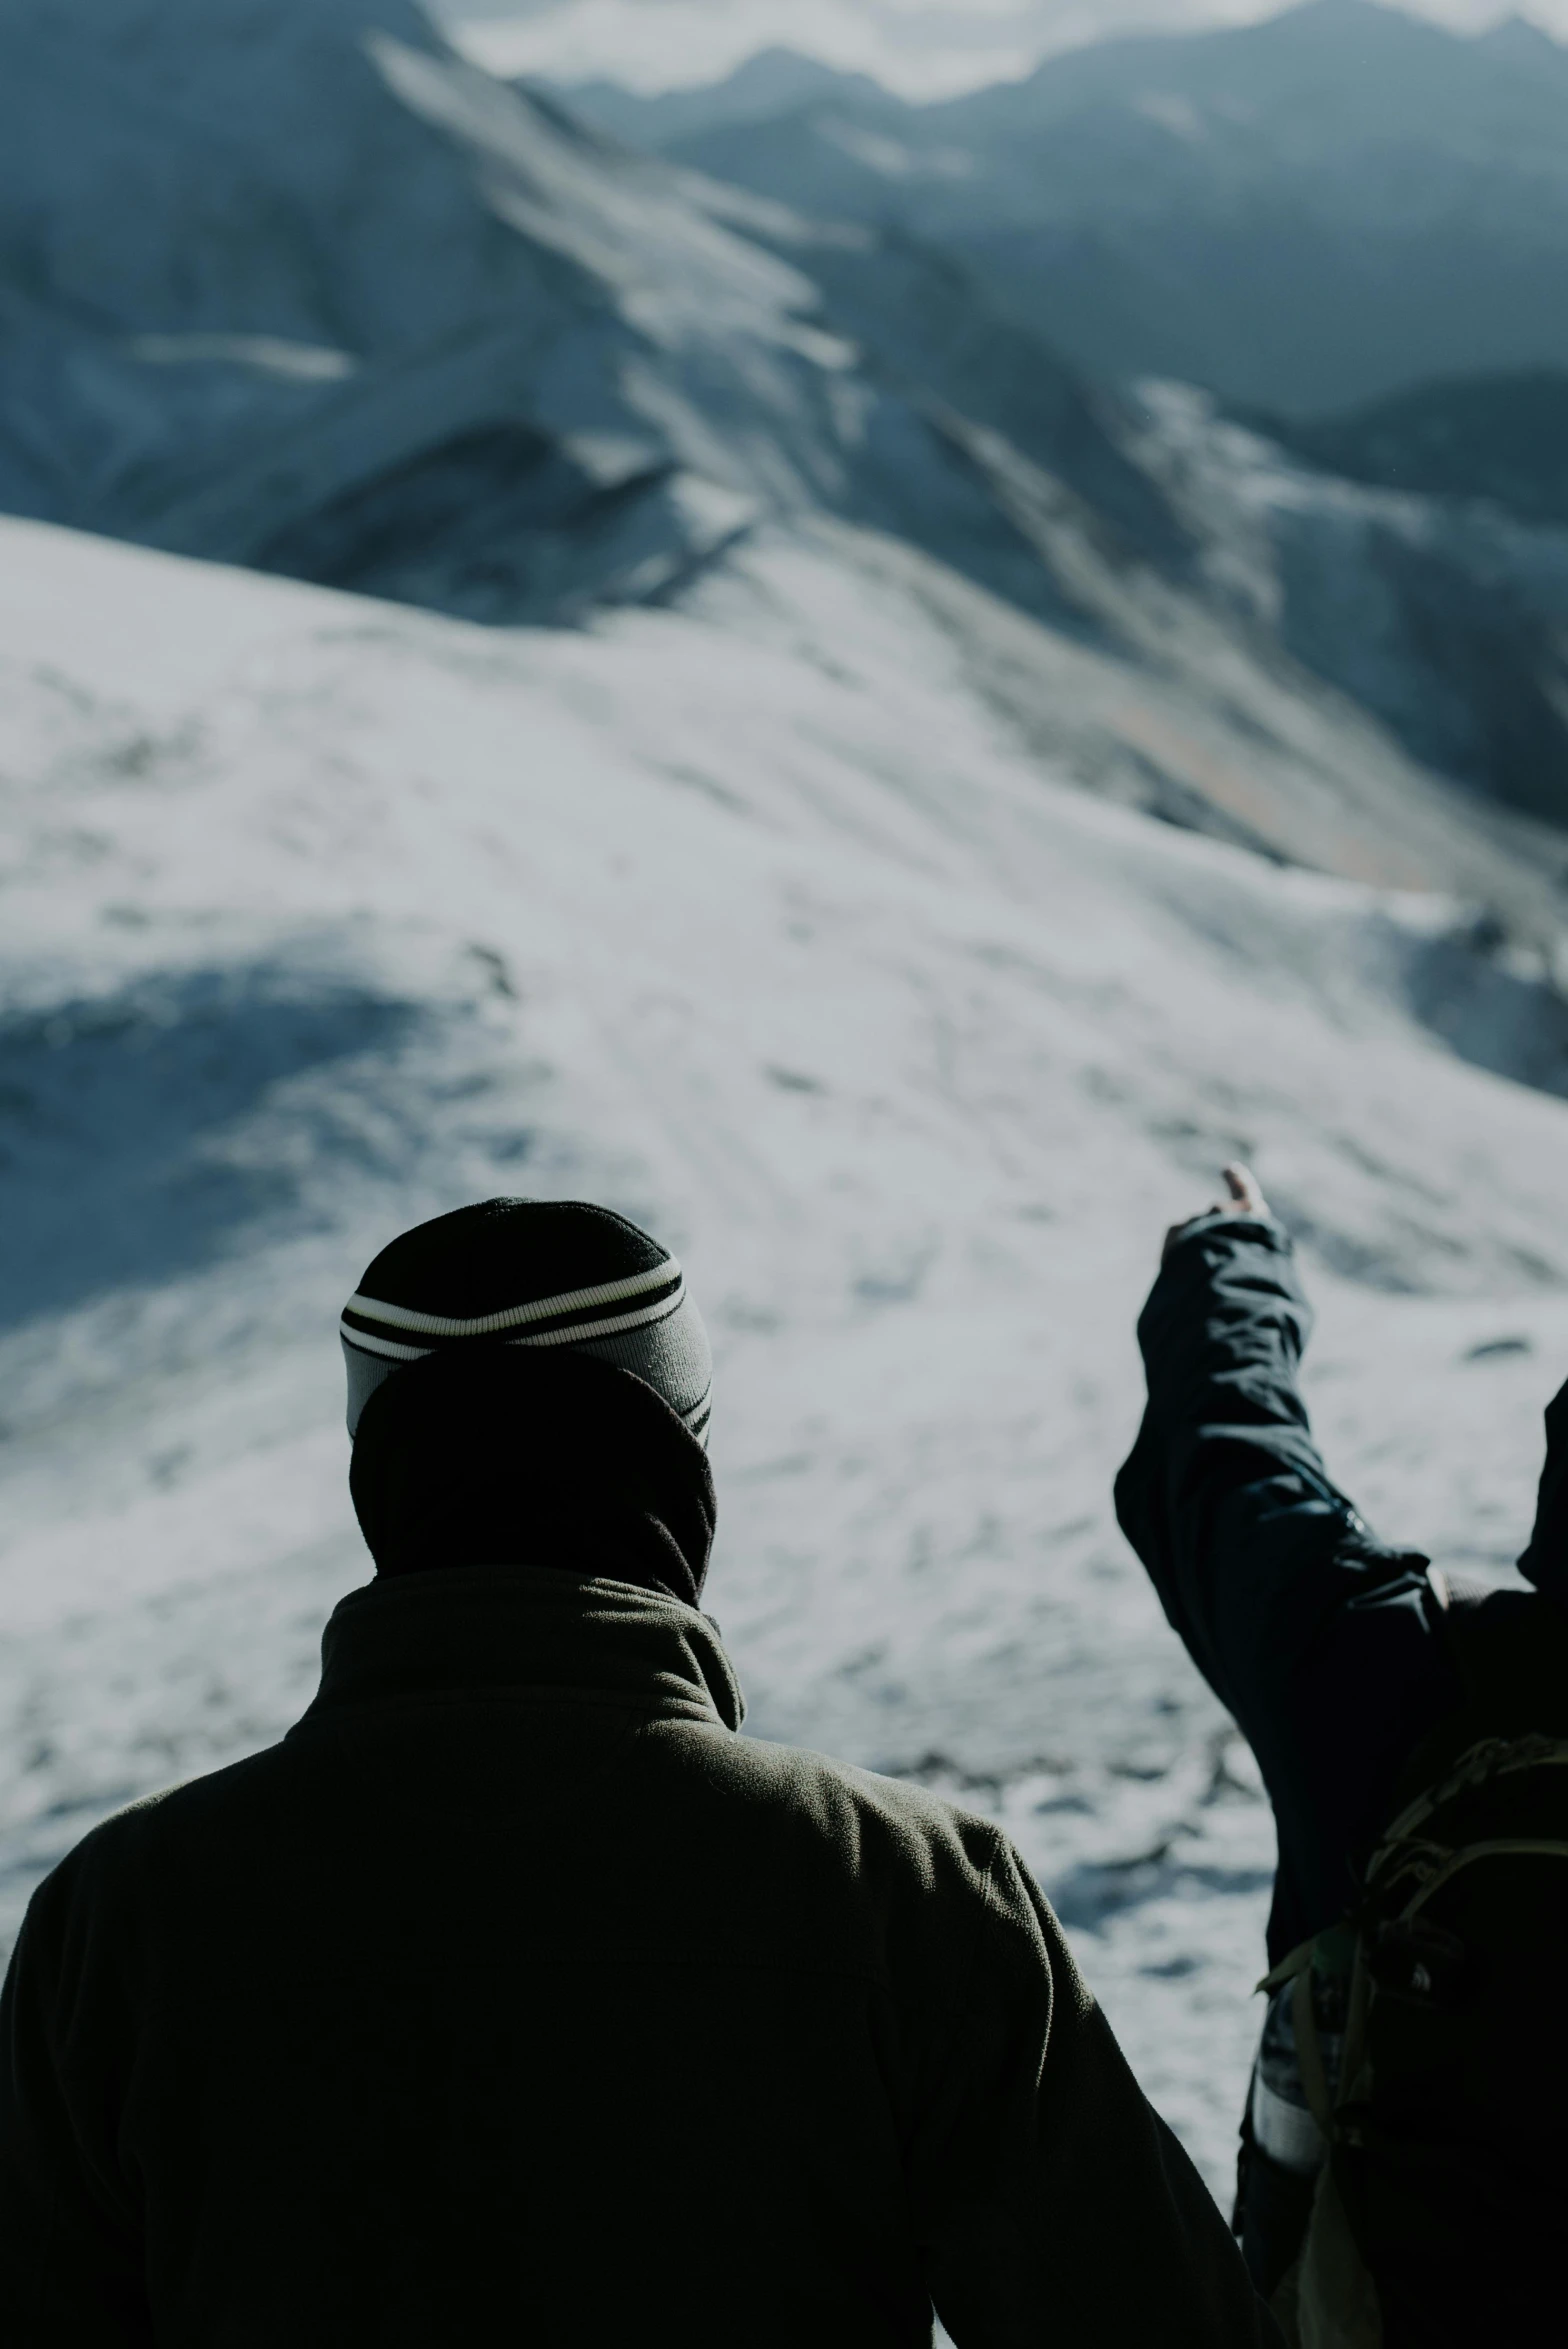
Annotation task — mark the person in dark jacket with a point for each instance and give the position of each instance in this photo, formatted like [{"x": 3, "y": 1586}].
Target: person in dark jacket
[
  {"x": 1357, "y": 1674},
  {"x": 516, "y": 1994}
]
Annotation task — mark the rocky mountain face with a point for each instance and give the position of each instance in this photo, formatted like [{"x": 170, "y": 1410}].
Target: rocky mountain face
[
  {"x": 1306, "y": 214},
  {"x": 1502, "y": 438},
  {"x": 296, "y": 287},
  {"x": 1443, "y": 615}
]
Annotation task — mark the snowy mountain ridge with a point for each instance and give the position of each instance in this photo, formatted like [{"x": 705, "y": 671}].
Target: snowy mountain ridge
[
  {"x": 474, "y": 264},
  {"x": 320, "y": 297},
  {"x": 750, "y": 919}
]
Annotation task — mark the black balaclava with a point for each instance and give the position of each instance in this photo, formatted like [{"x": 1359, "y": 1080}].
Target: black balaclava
[
  {"x": 1545, "y": 1560},
  {"x": 529, "y": 1384}
]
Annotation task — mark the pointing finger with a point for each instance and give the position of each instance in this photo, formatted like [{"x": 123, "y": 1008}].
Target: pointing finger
[{"x": 1242, "y": 1184}]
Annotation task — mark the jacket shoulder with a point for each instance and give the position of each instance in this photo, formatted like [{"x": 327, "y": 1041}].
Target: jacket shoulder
[
  {"x": 116, "y": 1857},
  {"x": 862, "y": 1822}
]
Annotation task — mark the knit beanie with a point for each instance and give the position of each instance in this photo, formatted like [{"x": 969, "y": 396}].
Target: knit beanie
[{"x": 530, "y": 1273}]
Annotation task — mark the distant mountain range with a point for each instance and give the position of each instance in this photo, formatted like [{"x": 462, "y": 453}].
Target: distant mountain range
[
  {"x": 773, "y": 82},
  {"x": 300, "y": 289},
  {"x": 1305, "y": 214}
]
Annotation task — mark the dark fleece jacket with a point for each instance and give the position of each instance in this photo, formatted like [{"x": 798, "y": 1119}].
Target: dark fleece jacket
[
  {"x": 514, "y": 1996},
  {"x": 1329, "y": 1647}
]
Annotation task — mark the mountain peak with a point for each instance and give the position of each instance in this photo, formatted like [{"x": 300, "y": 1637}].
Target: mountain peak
[
  {"x": 771, "y": 82},
  {"x": 781, "y": 76},
  {"x": 1519, "y": 37}
]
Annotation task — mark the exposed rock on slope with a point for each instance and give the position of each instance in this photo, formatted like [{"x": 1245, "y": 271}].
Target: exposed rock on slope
[{"x": 1502, "y": 438}]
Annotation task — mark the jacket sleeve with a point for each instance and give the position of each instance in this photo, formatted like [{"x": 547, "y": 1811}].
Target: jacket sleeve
[
  {"x": 1318, "y": 1639},
  {"x": 1054, "y": 2203},
  {"x": 71, "y": 2267}
]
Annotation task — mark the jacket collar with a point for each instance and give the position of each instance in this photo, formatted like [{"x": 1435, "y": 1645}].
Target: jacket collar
[{"x": 525, "y": 1628}]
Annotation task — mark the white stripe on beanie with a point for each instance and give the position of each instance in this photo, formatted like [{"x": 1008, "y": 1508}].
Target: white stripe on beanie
[
  {"x": 643, "y": 1321},
  {"x": 487, "y": 1325}
]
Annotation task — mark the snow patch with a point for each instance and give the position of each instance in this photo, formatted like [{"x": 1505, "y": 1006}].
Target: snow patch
[{"x": 268, "y": 354}]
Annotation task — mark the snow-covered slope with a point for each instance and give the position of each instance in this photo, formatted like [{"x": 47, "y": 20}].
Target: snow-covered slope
[
  {"x": 293, "y": 285},
  {"x": 761, "y": 922}
]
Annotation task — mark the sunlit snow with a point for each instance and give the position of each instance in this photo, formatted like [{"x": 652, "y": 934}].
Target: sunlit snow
[{"x": 757, "y": 923}]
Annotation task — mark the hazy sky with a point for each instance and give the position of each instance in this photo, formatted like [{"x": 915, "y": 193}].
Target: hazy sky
[{"x": 924, "y": 47}]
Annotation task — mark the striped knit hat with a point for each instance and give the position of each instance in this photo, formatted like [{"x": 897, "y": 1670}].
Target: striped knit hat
[{"x": 537, "y": 1273}]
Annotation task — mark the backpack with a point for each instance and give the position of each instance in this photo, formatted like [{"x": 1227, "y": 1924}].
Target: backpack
[{"x": 1440, "y": 2213}]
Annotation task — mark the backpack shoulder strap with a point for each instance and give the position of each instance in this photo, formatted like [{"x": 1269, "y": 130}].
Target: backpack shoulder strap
[{"x": 1418, "y": 1864}]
